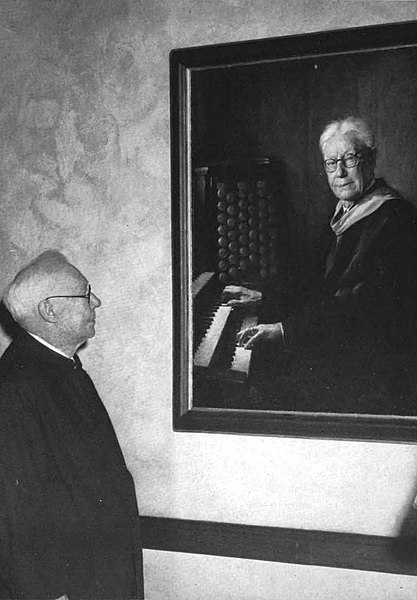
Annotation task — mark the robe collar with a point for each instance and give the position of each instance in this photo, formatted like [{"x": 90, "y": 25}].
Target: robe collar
[
  {"x": 34, "y": 350},
  {"x": 48, "y": 345}
]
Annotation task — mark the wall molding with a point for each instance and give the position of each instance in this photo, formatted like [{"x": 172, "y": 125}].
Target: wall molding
[{"x": 278, "y": 544}]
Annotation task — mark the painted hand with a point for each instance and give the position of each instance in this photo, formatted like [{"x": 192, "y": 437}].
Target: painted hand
[
  {"x": 238, "y": 295},
  {"x": 248, "y": 338}
]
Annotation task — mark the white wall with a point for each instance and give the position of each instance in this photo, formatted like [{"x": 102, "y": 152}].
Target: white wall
[
  {"x": 308, "y": 484},
  {"x": 190, "y": 577}
]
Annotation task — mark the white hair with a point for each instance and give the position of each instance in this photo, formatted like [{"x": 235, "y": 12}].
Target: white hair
[
  {"x": 357, "y": 127},
  {"x": 31, "y": 284}
]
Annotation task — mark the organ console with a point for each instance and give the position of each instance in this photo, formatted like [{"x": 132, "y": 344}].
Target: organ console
[
  {"x": 214, "y": 341},
  {"x": 238, "y": 238}
]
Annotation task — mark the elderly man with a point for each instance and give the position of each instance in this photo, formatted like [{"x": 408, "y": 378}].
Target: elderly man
[
  {"x": 68, "y": 519},
  {"x": 364, "y": 311}
]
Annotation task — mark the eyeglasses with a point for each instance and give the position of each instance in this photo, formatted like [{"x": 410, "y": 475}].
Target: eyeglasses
[
  {"x": 348, "y": 161},
  {"x": 87, "y": 295}
]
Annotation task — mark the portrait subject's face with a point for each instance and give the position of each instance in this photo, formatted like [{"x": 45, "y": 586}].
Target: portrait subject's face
[
  {"x": 77, "y": 316},
  {"x": 348, "y": 184}
]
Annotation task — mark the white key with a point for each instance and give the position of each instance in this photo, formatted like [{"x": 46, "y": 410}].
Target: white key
[
  {"x": 208, "y": 344},
  {"x": 242, "y": 356}
]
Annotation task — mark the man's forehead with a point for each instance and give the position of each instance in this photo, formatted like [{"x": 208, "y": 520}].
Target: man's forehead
[{"x": 340, "y": 143}]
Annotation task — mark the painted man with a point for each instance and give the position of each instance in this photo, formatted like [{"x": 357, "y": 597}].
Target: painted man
[{"x": 356, "y": 330}]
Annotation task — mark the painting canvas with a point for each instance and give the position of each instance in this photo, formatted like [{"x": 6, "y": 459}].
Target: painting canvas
[{"x": 251, "y": 207}]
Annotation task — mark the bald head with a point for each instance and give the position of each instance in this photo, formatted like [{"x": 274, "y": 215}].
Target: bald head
[
  {"x": 52, "y": 299},
  {"x": 36, "y": 281}
]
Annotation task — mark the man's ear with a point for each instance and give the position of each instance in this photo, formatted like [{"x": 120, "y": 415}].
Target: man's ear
[{"x": 46, "y": 311}]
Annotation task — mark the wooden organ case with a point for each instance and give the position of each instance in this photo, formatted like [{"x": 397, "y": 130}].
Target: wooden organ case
[{"x": 239, "y": 238}]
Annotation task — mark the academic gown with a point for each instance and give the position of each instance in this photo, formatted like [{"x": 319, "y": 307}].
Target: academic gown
[
  {"x": 68, "y": 516},
  {"x": 352, "y": 346},
  {"x": 369, "y": 288}
]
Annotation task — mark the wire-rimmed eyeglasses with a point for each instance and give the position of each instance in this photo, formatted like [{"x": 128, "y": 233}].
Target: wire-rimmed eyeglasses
[
  {"x": 348, "y": 161},
  {"x": 87, "y": 295}
]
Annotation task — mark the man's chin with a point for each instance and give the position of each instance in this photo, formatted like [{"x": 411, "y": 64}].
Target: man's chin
[
  {"x": 91, "y": 330},
  {"x": 347, "y": 195}
]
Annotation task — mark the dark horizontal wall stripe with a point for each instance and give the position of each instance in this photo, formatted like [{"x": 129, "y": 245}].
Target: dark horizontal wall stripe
[{"x": 277, "y": 544}]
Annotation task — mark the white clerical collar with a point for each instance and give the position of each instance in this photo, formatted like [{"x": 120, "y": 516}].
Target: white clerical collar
[{"x": 50, "y": 346}]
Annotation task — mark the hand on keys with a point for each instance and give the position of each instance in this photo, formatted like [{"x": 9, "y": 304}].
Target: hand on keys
[
  {"x": 238, "y": 295},
  {"x": 251, "y": 336}
]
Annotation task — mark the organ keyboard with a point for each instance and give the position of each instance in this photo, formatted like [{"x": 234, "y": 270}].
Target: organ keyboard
[
  {"x": 207, "y": 347},
  {"x": 216, "y": 353},
  {"x": 239, "y": 238},
  {"x": 242, "y": 358}
]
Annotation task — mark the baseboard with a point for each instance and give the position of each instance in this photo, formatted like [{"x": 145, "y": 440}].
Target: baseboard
[{"x": 277, "y": 544}]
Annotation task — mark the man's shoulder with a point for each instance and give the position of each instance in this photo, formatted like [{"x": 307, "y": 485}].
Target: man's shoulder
[
  {"x": 389, "y": 203},
  {"x": 394, "y": 222},
  {"x": 19, "y": 377},
  {"x": 394, "y": 201},
  {"x": 394, "y": 226},
  {"x": 398, "y": 210},
  {"x": 9, "y": 362}
]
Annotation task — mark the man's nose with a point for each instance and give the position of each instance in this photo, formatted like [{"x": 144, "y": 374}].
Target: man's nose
[
  {"x": 340, "y": 169},
  {"x": 95, "y": 301}
]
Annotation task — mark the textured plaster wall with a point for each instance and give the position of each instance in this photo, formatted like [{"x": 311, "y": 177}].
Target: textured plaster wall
[{"x": 84, "y": 167}]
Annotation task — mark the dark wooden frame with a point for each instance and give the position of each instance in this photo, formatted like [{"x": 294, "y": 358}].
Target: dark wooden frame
[{"x": 186, "y": 417}]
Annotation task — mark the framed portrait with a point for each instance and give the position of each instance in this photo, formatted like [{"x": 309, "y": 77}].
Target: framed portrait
[{"x": 251, "y": 207}]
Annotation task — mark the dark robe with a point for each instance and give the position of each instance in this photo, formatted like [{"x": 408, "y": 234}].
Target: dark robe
[
  {"x": 351, "y": 346},
  {"x": 68, "y": 518}
]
